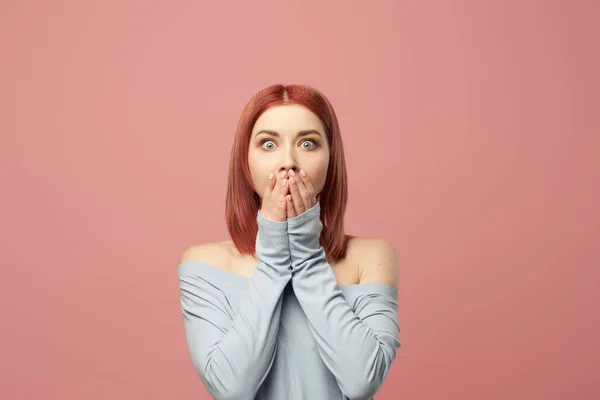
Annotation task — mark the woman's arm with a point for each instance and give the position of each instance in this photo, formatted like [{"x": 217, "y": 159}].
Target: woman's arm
[
  {"x": 233, "y": 352},
  {"x": 357, "y": 343}
]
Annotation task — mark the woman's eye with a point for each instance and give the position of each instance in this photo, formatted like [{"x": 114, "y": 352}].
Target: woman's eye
[
  {"x": 309, "y": 144},
  {"x": 268, "y": 145}
]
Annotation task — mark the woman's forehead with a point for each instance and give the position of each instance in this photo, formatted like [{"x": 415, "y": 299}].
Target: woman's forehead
[{"x": 288, "y": 120}]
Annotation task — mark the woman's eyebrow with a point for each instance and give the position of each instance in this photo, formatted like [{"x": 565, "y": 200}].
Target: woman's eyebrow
[
  {"x": 309, "y": 132},
  {"x": 300, "y": 133}
]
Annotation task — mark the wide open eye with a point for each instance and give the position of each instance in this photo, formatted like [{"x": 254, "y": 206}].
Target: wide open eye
[
  {"x": 267, "y": 144},
  {"x": 309, "y": 144}
]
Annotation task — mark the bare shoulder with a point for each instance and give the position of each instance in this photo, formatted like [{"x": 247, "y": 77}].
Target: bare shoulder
[
  {"x": 216, "y": 254},
  {"x": 377, "y": 260}
]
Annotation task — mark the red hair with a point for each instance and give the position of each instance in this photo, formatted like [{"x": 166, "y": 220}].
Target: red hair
[{"x": 242, "y": 203}]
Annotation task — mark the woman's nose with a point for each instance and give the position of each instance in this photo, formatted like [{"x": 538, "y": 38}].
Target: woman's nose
[
  {"x": 287, "y": 169},
  {"x": 289, "y": 162}
]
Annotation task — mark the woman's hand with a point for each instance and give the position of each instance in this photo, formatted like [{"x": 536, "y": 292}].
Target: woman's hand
[
  {"x": 303, "y": 195},
  {"x": 274, "y": 201}
]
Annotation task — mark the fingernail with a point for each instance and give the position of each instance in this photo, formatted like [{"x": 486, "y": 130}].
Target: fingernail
[
  {"x": 289, "y": 197},
  {"x": 282, "y": 174},
  {"x": 292, "y": 173},
  {"x": 284, "y": 182},
  {"x": 281, "y": 198},
  {"x": 302, "y": 172},
  {"x": 270, "y": 176},
  {"x": 293, "y": 180}
]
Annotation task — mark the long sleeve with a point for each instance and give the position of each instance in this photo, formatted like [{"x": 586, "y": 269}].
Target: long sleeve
[
  {"x": 233, "y": 351},
  {"x": 357, "y": 343}
]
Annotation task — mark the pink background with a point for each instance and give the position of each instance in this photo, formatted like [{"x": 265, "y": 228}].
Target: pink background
[{"x": 472, "y": 134}]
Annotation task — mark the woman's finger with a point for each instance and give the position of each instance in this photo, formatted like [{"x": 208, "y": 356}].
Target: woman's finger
[
  {"x": 291, "y": 212},
  {"x": 299, "y": 205},
  {"x": 305, "y": 194},
  {"x": 309, "y": 187},
  {"x": 271, "y": 182},
  {"x": 280, "y": 189}
]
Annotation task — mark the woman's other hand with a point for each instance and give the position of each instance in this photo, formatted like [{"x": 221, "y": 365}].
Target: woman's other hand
[
  {"x": 302, "y": 195},
  {"x": 274, "y": 200}
]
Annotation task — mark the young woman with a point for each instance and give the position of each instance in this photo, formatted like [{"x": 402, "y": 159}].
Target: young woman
[{"x": 291, "y": 307}]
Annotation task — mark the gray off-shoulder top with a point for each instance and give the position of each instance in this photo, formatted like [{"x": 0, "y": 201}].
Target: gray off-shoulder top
[{"x": 289, "y": 332}]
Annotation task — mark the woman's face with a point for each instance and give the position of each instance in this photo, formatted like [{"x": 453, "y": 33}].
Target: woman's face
[{"x": 288, "y": 137}]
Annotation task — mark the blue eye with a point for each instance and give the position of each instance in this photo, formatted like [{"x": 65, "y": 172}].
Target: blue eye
[
  {"x": 270, "y": 144},
  {"x": 311, "y": 144}
]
